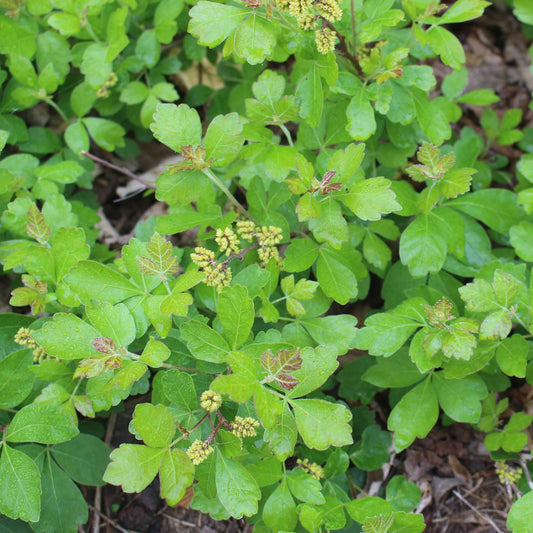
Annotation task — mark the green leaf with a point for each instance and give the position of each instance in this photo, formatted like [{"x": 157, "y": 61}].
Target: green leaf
[
  {"x": 212, "y": 22},
  {"x": 236, "y": 314},
  {"x": 63, "y": 505},
  {"x": 84, "y": 458},
  {"x": 300, "y": 255},
  {"x": 512, "y": 354},
  {"x": 336, "y": 280},
  {"x": 402, "y": 494},
  {"x": 177, "y": 126},
  {"x": 522, "y": 238},
  {"x": 16, "y": 378},
  {"x": 147, "y": 48},
  {"x": 423, "y": 245},
  {"x": 41, "y": 423},
  {"x": 520, "y": 517},
  {"x": 77, "y": 138},
  {"x": 337, "y": 331},
  {"x": 66, "y": 337},
  {"x": 17, "y": 37},
  {"x": 282, "y": 437},
  {"x": 107, "y": 134},
  {"x": 20, "y": 496},
  {"x": 464, "y": 10},
  {"x": 322, "y": 424},
  {"x": 385, "y": 333},
  {"x": 223, "y": 139},
  {"x": 414, "y": 415},
  {"x": 328, "y": 224},
  {"x": 362, "y": 508},
  {"x": 176, "y": 474},
  {"x": 154, "y": 424},
  {"x": 66, "y": 24},
  {"x": 447, "y": 45},
  {"x": 373, "y": 449},
  {"x": 135, "y": 92},
  {"x": 236, "y": 488},
  {"x": 497, "y": 208},
  {"x": 394, "y": 372},
  {"x": 155, "y": 353},
  {"x": 311, "y": 95},
  {"x": 133, "y": 466},
  {"x": 461, "y": 399},
  {"x": 112, "y": 321},
  {"x": 321, "y": 357},
  {"x": 179, "y": 390},
  {"x": 254, "y": 39},
  {"x": 279, "y": 512},
  {"x": 68, "y": 248},
  {"x": 204, "y": 342},
  {"x": 91, "y": 280},
  {"x": 371, "y": 198},
  {"x": 361, "y": 120}
]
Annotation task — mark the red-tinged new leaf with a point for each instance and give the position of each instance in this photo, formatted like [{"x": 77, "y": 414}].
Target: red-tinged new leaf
[
  {"x": 269, "y": 362},
  {"x": 36, "y": 227},
  {"x": 286, "y": 381},
  {"x": 104, "y": 345},
  {"x": 289, "y": 360}
]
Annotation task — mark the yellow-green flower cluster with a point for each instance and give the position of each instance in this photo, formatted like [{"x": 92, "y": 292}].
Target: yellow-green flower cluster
[
  {"x": 199, "y": 451},
  {"x": 22, "y": 337},
  {"x": 216, "y": 274},
  {"x": 307, "y": 12},
  {"x": 246, "y": 230},
  {"x": 328, "y": 10},
  {"x": 244, "y": 427},
  {"x": 227, "y": 241},
  {"x": 298, "y": 8},
  {"x": 210, "y": 400},
  {"x": 268, "y": 238},
  {"x": 506, "y": 474},
  {"x": 315, "y": 470},
  {"x": 307, "y": 21},
  {"x": 203, "y": 257},
  {"x": 39, "y": 354},
  {"x": 325, "y": 40}
]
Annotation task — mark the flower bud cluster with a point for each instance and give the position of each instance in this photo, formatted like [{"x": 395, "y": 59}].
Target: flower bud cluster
[
  {"x": 227, "y": 241},
  {"x": 39, "y": 355},
  {"x": 244, "y": 427},
  {"x": 210, "y": 400},
  {"x": 307, "y": 12},
  {"x": 216, "y": 274},
  {"x": 22, "y": 337},
  {"x": 325, "y": 40},
  {"x": 199, "y": 451},
  {"x": 315, "y": 470},
  {"x": 328, "y": 10},
  {"x": 506, "y": 474}
]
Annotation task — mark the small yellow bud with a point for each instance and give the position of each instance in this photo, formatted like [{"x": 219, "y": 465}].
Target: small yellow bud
[
  {"x": 328, "y": 10},
  {"x": 307, "y": 21},
  {"x": 311, "y": 468},
  {"x": 227, "y": 241},
  {"x": 102, "y": 92},
  {"x": 39, "y": 355},
  {"x": 297, "y": 8},
  {"x": 210, "y": 400},
  {"x": 246, "y": 229},
  {"x": 244, "y": 427},
  {"x": 325, "y": 40},
  {"x": 199, "y": 451},
  {"x": 22, "y": 336},
  {"x": 203, "y": 257},
  {"x": 112, "y": 80}
]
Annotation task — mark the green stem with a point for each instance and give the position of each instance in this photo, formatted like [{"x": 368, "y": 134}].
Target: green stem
[
  {"x": 354, "y": 33},
  {"x": 287, "y": 133},
  {"x": 216, "y": 181},
  {"x": 51, "y": 103}
]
